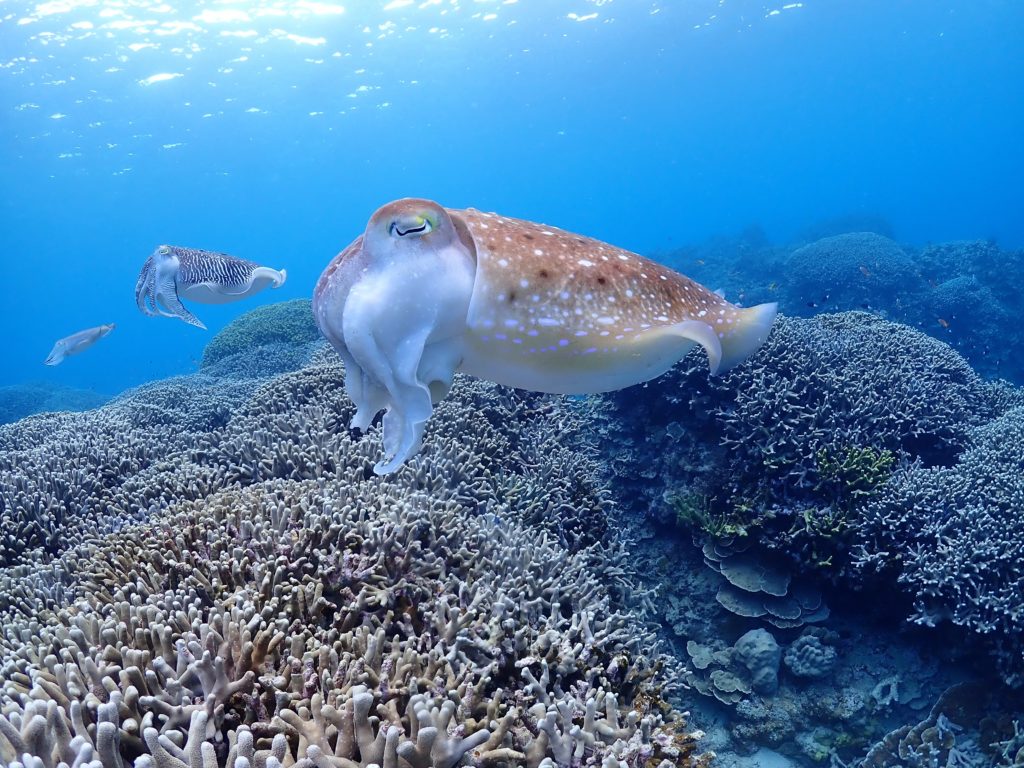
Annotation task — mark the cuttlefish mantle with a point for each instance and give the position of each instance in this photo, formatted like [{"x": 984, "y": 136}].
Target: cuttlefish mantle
[
  {"x": 76, "y": 342},
  {"x": 427, "y": 291},
  {"x": 172, "y": 273}
]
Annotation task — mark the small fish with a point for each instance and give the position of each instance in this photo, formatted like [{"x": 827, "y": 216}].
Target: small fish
[
  {"x": 700, "y": 262},
  {"x": 76, "y": 342},
  {"x": 943, "y": 322},
  {"x": 865, "y": 271},
  {"x": 773, "y": 286}
]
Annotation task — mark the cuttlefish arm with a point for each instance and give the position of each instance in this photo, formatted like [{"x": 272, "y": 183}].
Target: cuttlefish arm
[
  {"x": 427, "y": 291},
  {"x": 393, "y": 304},
  {"x": 144, "y": 291},
  {"x": 172, "y": 273},
  {"x": 76, "y": 343}
]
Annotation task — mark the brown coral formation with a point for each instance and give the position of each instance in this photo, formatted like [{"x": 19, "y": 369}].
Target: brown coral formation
[{"x": 264, "y": 600}]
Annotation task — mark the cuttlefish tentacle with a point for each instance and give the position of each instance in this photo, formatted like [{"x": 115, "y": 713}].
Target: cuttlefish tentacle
[
  {"x": 144, "y": 291},
  {"x": 172, "y": 273},
  {"x": 428, "y": 291}
]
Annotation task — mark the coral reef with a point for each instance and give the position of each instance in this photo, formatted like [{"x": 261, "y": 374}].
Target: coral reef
[
  {"x": 66, "y": 475},
  {"x": 257, "y": 597},
  {"x": 20, "y": 400},
  {"x": 962, "y": 729},
  {"x": 812, "y": 656},
  {"x": 787, "y": 472},
  {"x": 756, "y": 588},
  {"x": 287, "y": 322},
  {"x": 952, "y": 537},
  {"x": 857, "y": 270},
  {"x": 956, "y": 292},
  {"x": 792, "y": 444},
  {"x": 845, "y": 224},
  {"x": 758, "y": 651},
  {"x": 836, "y": 716}
]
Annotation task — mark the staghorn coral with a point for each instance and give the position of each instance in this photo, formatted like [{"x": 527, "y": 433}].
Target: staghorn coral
[
  {"x": 281, "y": 605},
  {"x": 951, "y": 536}
]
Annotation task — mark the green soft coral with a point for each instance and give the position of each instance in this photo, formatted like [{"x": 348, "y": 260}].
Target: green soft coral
[
  {"x": 701, "y": 512},
  {"x": 849, "y": 476}
]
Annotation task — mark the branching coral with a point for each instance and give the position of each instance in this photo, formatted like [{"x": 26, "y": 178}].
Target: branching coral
[
  {"x": 287, "y": 323},
  {"x": 20, "y": 400},
  {"x": 951, "y": 535},
  {"x": 789, "y": 443},
  {"x": 850, "y": 271},
  {"x": 275, "y": 603}
]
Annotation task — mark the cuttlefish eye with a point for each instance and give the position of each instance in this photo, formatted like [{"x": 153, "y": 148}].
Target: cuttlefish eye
[
  {"x": 163, "y": 250},
  {"x": 410, "y": 226}
]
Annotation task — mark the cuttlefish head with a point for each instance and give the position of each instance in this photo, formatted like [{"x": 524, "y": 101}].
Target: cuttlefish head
[
  {"x": 407, "y": 228},
  {"x": 394, "y": 305}
]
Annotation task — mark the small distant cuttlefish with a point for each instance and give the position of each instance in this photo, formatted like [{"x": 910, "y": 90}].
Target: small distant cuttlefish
[
  {"x": 427, "y": 291},
  {"x": 171, "y": 274},
  {"x": 76, "y": 342}
]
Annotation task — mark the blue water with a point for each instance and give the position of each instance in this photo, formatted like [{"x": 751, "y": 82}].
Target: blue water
[{"x": 273, "y": 130}]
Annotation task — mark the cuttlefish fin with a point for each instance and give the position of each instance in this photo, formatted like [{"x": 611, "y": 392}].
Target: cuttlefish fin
[
  {"x": 703, "y": 334},
  {"x": 727, "y": 344},
  {"x": 746, "y": 334}
]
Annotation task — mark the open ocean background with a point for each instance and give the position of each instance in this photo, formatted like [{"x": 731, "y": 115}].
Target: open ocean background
[{"x": 272, "y": 130}]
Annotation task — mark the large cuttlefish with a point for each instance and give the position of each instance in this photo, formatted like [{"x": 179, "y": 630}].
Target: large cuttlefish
[
  {"x": 427, "y": 291},
  {"x": 171, "y": 274}
]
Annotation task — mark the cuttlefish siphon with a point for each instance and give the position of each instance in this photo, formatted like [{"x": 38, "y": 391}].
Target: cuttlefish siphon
[
  {"x": 76, "y": 342},
  {"x": 171, "y": 274},
  {"x": 427, "y": 291}
]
